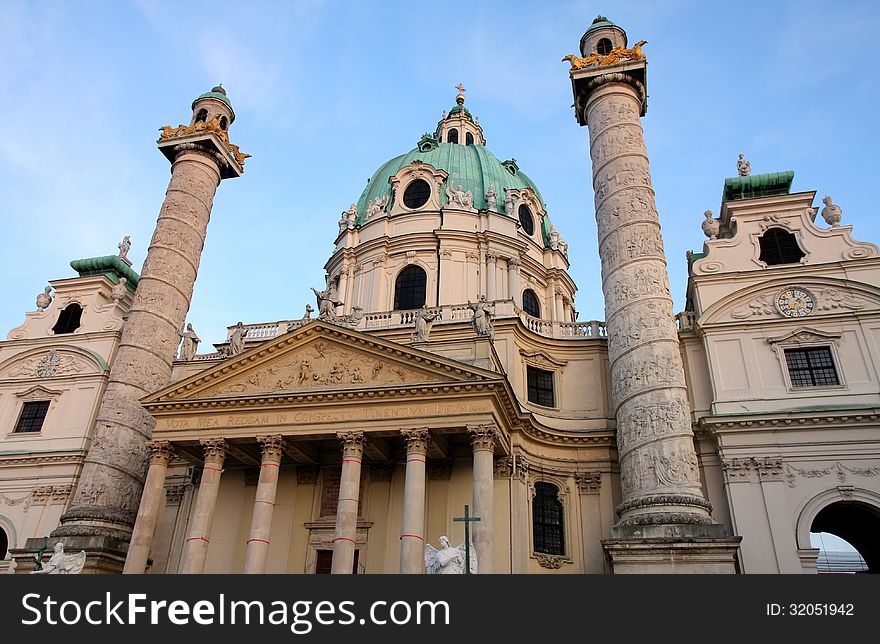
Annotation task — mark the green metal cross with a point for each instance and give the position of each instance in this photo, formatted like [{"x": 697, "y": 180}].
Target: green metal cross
[{"x": 467, "y": 538}]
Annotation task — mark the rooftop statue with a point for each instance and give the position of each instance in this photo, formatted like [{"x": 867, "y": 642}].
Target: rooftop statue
[
  {"x": 482, "y": 320},
  {"x": 743, "y": 167},
  {"x": 190, "y": 343},
  {"x": 124, "y": 246},
  {"x": 424, "y": 319},
  {"x": 62, "y": 564},
  {"x": 119, "y": 291},
  {"x": 459, "y": 196},
  {"x": 236, "y": 340}
]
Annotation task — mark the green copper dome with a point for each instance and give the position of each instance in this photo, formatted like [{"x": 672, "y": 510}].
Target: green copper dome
[
  {"x": 601, "y": 21},
  {"x": 218, "y": 93},
  {"x": 471, "y": 166}
]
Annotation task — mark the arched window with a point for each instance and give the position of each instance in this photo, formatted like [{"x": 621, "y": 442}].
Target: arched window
[
  {"x": 202, "y": 116},
  {"x": 453, "y": 136},
  {"x": 68, "y": 319},
  {"x": 4, "y": 543},
  {"x": 604, "y": 47},
  {"x": 469, "y": 139},
  {"x": 778, "y": 246},
  {"x": 547, "y": 520},
  {"x": 531, "y": 304},
  {"x": 525, "y": 218},
  {"x": 223, "y": 123},
  {"x": 409, "y": 288},
  {"x": 416, "y": 194}
]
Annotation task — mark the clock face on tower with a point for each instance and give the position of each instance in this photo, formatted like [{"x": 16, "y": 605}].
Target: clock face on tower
[{"x": 795, "y": 302}]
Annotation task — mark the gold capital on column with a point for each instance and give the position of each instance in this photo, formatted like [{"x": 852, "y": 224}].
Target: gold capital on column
[
  {"x": 161, "y": 452},
  {"x": 215, "y": 450},
  {"x": 352, "y": 444},
  {"x": 416, "y": 440},
  {"x": 482, "y": 437},
  {"x": 271, "y": 447}
]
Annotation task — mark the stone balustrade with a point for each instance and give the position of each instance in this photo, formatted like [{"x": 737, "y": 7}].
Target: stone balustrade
[{"x": 446, "y": 313}]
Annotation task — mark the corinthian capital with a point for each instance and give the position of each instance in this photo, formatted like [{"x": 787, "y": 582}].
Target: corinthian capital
[
  {"x": 352, "y": 444},
  {"x": 271, "y": 448},
  {"x": 215, "y": 450},
  {"x": 482, "y": 437},
  {"x": 416, "y": 440},
  {"x": 161, "y": 452}
]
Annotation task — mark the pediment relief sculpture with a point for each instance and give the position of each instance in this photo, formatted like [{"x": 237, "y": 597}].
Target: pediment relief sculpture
[{"x": 321, "y": 365}]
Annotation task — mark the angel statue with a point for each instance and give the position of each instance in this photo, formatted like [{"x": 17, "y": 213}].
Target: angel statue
[
  {"x": 62, "y": 564},
  {"x": 448, "y": 560}
]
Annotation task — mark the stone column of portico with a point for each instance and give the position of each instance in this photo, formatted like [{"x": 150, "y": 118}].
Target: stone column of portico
[
  {"x": 195, "y": 550},
  {"x": 491, "y": 293},
  {"x": 153, "y": 497},
  {"x": 347, "y": 507},
  {"x": 110, "y": 486},
  {"x": 412, "y": 537},
  {"x": 264, "y": 505},
  {"x": 660, "y": 479},
  {"x": 483, "y": 443},
  {"x": 513, "y": 282}
]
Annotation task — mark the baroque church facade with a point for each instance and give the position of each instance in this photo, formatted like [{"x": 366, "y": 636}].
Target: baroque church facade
[{"x": 444, "y": 368}]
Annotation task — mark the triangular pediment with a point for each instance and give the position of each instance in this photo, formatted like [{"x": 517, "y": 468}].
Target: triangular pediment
[{"x": 320, "y": 357}]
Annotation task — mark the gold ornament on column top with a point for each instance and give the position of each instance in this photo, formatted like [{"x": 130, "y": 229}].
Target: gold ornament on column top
[
  {"x": 416, "y": 440},
  {"x": 161, "y": 452},
  {"x": 352, "y": 444},
  {"x": 215, "y": 450},
  {"x": 271, "y": 447},
  {"x": 482, "y": 437}
]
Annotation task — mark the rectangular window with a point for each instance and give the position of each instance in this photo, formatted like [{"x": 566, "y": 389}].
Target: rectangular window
[
  {"x": 811, "y": 367},
  {"x": 32, "y": 416},
  {"x": 540, "y": 386}
]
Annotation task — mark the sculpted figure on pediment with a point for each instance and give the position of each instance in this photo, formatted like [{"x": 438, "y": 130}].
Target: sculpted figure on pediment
[{"x": 322, "y": 366}]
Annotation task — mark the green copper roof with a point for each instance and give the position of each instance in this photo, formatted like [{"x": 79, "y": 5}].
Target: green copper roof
[
  {"x": 757, "y": 185},
  {"x": 472, "y": 166},
  {"x": 110, "y": 265},
  {"x": 217, "y": 92},
  {"x": 599, "y": 22},
  {"x": 458, "y": 109}
]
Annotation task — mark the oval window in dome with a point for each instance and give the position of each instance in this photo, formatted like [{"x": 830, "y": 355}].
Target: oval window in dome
[
  {"x": 525, "y": 218},
  {"x": 416, "y": 194},
  {"x": 604, "y": 47}
]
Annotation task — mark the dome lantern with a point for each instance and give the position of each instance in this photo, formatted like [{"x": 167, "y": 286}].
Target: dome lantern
[{"x": 459, "y": 126}]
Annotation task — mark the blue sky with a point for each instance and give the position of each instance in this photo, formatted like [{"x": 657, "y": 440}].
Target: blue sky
[{"x": 326, "y": 92}]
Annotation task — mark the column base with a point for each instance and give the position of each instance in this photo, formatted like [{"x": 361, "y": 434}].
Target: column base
[
  {"x": 104, "y": 555},
  {"x": 680, "y": 555}
]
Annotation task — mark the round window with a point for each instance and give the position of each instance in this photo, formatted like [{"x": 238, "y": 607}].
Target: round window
[
  {"x": 525, "y": 218},
  {"x": 416, "y": 194}
]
